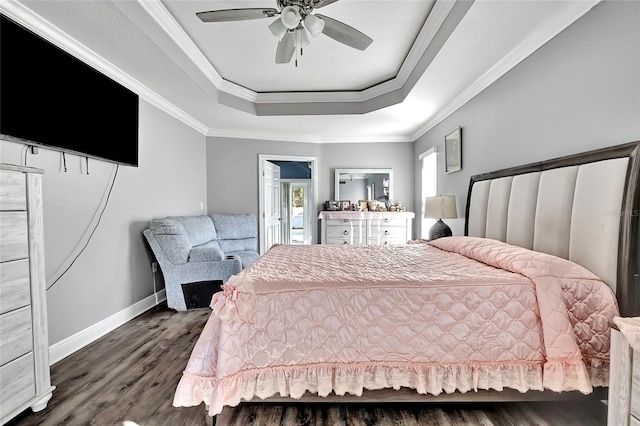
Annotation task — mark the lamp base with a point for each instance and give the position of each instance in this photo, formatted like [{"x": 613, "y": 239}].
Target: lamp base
[{"x": 439, "y": 230}]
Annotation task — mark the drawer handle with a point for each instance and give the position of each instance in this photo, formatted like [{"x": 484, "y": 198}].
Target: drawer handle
[
  {"x": 386, "y": 220},
  {"x": 346, "y": 220},
  {"x": 346, "y": 232},
  {"x": 345, "y": 243},
  {"x": 386, "y": 232},
  {"x": 386, "y": 242}
]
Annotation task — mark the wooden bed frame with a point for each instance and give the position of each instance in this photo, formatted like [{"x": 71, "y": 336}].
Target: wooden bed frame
[{"x": 626, "y": 287}]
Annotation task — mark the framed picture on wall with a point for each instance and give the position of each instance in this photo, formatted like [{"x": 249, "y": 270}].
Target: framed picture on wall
[{"x": 453, "y": 151}]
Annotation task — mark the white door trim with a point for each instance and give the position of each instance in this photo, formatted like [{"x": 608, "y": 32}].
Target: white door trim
[{"x": 314, "y": 191}]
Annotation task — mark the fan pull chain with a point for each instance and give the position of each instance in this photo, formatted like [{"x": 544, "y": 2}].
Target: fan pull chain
[{"x": 299, "y": 43}]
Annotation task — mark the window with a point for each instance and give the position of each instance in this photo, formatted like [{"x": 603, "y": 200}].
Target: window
[{"x": 429, "y": 161}]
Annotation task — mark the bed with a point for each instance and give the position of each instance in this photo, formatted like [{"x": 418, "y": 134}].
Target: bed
[{"x": 518, "y": 308}]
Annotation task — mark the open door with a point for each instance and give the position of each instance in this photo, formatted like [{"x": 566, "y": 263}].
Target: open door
[{"x": 271, "y": 205}]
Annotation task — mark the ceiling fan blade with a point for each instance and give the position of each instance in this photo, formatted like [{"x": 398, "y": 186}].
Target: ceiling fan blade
[
  {"x": 286, "y": 47},
  {"x": 226, "y": 15},
  {"x": 317, "y": 4},
  {"x": 344, "y": 33}
]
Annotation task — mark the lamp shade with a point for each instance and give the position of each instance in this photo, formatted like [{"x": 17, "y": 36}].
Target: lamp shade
[
  {"x": 440, "y": 207},
  {"x": 314, "y": 25},
  {"x": 290, "y": 17},
  {"x": 277, "y": 28}
]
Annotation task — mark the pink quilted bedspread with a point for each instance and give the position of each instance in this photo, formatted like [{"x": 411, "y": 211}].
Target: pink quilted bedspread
[{"x": 459, "y": 313}]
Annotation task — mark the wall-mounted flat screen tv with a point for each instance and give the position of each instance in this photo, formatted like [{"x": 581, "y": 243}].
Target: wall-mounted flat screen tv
[{"x": 51, "y": 99}]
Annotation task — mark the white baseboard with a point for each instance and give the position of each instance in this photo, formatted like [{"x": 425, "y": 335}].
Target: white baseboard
[{"x": 71, "y": 344}]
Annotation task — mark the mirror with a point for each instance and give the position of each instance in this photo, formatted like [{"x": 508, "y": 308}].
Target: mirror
[{"x": 363, "y": 184}]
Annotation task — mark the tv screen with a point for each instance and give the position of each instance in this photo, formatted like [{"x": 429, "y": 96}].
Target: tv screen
[{"x": 51, "y": 99}]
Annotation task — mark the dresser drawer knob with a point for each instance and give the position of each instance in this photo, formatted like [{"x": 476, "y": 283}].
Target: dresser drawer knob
[
  {"x": 386, "y": 220},
  {"x": 386, "y": 232},
  {"x": 346, "y": 220},
  {"x": 346, "y": 232},
  {"x": 345, "y": 243}
]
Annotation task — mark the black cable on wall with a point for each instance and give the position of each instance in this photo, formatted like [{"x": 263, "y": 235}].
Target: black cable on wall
[{"x": 93, "y": 231}]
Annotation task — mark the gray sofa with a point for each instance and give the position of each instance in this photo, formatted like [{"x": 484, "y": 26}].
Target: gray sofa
[{"x": 192, "y": 249}]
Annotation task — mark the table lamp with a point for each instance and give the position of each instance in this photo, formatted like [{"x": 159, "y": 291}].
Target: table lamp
[{"x": 440, "y": 207}]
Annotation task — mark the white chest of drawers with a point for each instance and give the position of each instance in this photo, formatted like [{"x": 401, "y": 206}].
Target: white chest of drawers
[
  {"x": 370, "y": 228},
  {"x": 24, "y": 358}
]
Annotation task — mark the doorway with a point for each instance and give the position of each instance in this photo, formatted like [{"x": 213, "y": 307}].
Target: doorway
[
  {"x": 297, "y": 200},
  {"x": 296, "y": 211}
]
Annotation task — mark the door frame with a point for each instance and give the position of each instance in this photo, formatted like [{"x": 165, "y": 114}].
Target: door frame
[{"x": 313, "y": 197}]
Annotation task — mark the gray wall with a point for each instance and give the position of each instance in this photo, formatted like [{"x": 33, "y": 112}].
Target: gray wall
[
  {"x": 114, "y": 270},
  {"x": 580, "y": 91},
  {"x": 232, "y": 168}
]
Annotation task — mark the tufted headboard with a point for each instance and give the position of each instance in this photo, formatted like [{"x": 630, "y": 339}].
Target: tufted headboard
[{"x": 583, "y": 207}]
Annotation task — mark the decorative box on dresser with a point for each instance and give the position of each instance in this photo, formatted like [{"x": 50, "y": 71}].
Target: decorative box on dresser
[
  {"x": 24, "y": 358},
  {"x": 624, "y": 382},
  {"x": 370, "y": 228}
]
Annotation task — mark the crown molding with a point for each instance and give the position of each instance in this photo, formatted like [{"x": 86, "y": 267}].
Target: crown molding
[
  {"x": 571, "y": 12},
  {"x": 367, "y": 139},
  {"x": 263, "y": 136},
  {"x": 25, "y": 17},
  {"x": 304, "y": 138}
]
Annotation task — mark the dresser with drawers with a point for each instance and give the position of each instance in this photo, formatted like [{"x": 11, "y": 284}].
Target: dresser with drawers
[
  {"x": 368, "y": 228},
  {"x": 24, "y": 358}
]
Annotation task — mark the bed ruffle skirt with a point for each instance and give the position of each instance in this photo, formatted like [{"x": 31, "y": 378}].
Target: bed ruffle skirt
[{"x": 434, "y": 379}]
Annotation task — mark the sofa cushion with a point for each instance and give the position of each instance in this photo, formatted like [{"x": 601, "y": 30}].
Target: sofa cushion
[
  {"x": 235, "y": 226},
  {"x": 245, "y": 244},
  {"x": 199, "y": 229},
  {"x": 172, "y": 238},
  {"x": 206, "y": 252}
]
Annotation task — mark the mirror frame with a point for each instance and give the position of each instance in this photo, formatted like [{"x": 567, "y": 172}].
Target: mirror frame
[{"x": 336, "y": 190}]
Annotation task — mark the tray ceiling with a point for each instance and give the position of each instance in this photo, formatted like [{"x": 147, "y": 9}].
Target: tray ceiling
[{"x": 427, "y": 58}]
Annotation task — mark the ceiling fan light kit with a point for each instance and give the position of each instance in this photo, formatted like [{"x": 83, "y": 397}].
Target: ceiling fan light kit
[
  {"x": 314, "y": 25},
  {"x": 277, "y": 28},
  {"x": 290, "y": 17},
  {"x": 291, "y": 27}
]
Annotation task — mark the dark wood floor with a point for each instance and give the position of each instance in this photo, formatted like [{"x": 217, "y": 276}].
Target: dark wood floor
[{"x": 128, "y": 377}]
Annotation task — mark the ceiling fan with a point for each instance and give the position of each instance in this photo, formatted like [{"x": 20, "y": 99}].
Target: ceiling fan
[{"x": 291, "y": 27}]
